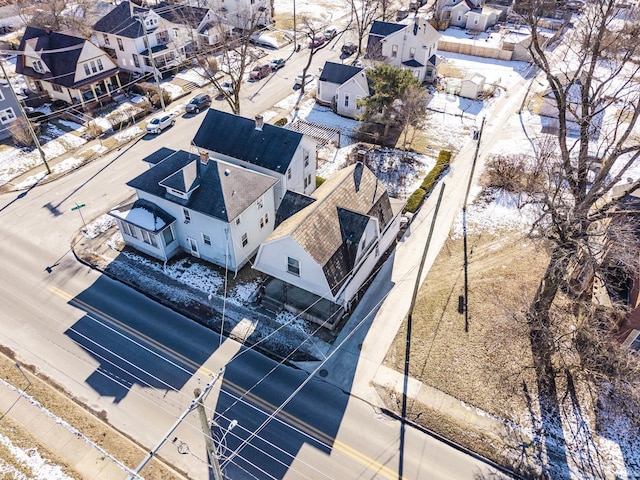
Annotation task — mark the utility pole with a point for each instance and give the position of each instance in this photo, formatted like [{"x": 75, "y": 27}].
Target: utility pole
[
  {"x": 156, "y": 74},
  {"x": 145, "y": 460},
  {"x": 24, "y": 115},
  {"x": 206, "y": 428},
  {"x": 464, "y": 227},
  {"x": 295, "y": 34}
]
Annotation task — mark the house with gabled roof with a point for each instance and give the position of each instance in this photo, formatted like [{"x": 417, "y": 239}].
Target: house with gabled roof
[
  {"x": 66, "y": 67},
  {"x": 413, "y": 46},
  {"x": 325, "y": 245},
  {"x": 209, "y": 208},
  {"x": 286, "y": 155},
  {"x": 135, "y": 35},
  {"x": 341, "y": 86}
]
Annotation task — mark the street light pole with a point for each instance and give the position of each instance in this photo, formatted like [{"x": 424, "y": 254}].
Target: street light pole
[
  {"x": 156, "y": 74},
  {"x": 24, "y": 115}
]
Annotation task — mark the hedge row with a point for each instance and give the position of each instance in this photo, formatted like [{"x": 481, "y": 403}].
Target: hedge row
[{"x": 416, "y": 198}]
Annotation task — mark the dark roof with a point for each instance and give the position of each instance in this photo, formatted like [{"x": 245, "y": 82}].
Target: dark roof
[
  {"x": 237, "y": 137},
  {"x": 218, "y": 189},
  {"x": 62, "y": 65},
  {"x": 383, "y": 29},
  {"x": 412, "y": 63},
  {"x": 119, "y": 21},
  {"x": 338, "y": 73},
  {"x": 292, "y": 203},
  {"x": 158, "y": 155},
  {"x": 181, "y": 14}
]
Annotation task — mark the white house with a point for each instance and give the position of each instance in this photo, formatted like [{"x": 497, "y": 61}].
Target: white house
[
  {"x": 66, "y": 67},
  {"x": 211, "y": 209},
  {"x": 9, "y": 109},
  {"x": 134, "y": 35},
  {"x": 326, "y": 245},
  {"x": 341, "y": 86},
  {"x": 288, "y": 156},
  {"x": 413, "y": 46},
  {"x": 244, "y": 14}
]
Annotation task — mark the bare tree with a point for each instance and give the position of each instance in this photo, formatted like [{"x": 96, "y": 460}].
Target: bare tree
[
  {"x": 363, "y": 14},
  {"x": 59, "y": 15},
  {"x": 311, "y": 33},
  {"x": 412, "y": 111},
  {"x": 593, "y": 76}
]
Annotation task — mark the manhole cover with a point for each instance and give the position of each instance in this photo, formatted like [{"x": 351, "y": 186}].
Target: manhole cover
[{"x": 323, "y": 373}]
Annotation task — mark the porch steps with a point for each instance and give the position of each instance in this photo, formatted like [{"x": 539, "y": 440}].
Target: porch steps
[
  {"x": 190, "y": 86},
  {"x": 271, "y": 305}
]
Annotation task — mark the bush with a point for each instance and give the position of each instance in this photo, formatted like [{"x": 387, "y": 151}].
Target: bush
[
  {"x": 93, "y": 130},
  {"x": 414, "y": 201},
  {"x": 19, "y": 130},
  {"x": 281, "y": 122},
  {"x": 320, "y": 181},
  {"x": 441, "y": 166}
]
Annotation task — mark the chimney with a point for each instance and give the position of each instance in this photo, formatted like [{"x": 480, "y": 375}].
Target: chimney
[
  {"x": 259, "y": 122},
  {"x": 204, "y": 157}
]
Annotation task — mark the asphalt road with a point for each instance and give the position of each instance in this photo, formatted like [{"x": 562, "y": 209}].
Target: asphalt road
[{"x": 139, "y": 362}]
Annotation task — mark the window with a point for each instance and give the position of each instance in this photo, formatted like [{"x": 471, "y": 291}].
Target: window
[
  {"x": 7, "y": 115},
  {"x": 86, "y": 69},
  {"x": 136, "y": 62},
  {"x": 245, "y": 240},
  {"x": 238, "y": 221},
  {"x": 56, "y": 88},
  {"x": 99, "y": 62},
  {"x": 149, "y": 238},
  {"x": 37, "y": 66},
  {"x": 167, "y": 235},
  {"x": 305, "y": 155},
  {"x": 305, "y": 182},
  {"x": 412, "y": 52},
  {"x": 394, "y": 51},
  {"x": 346, "y": 100},
  {"x": 120, "y": 45},
  {"x": 162, "y": 37},
  {"x": 260, "y": 203},
  {"x": 186, "y": 215},
  {"x": 289, "y": 173},
  {"x": 266, "y": 217},
  {"x": 309, "y": 180},
  {"x": 94, "y": 68},
  {"x": 261, "y": 222},
  {"x": 293, "y": 266},
  {"x": 126, "y": 229},
  {"x": 105, "y": 37},
  {"x": 206, "y": 239}
]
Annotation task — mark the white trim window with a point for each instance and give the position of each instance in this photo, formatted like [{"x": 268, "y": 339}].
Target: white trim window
[
  {"x": 245, "y": 239},
  {"x": 149, "y": 238},
  {"x": 206, "y": 239},
  {"x": 7, "y": 116},
  {"x": 38, "y": 66},
  {"x": 293, "y": 266},
  {"x": 187, "y": 215}
]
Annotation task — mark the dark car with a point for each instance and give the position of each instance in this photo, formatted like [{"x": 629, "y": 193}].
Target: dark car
[
  {"x": 59, "y": 105},
  {"x": 277, "y": 63},
  {"x": 259, "y": 72},
  {"x": 199, "y": 102},
  {"x": 349, "y": 48}
]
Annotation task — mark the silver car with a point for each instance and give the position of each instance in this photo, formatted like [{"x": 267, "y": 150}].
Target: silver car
[{"x": 159, "y": 123}]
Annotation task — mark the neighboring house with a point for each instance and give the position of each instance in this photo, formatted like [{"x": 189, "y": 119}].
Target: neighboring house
[
  {"x": 472, "y": 85},
  {"x": 287, "y": 156},
  {"x": 413, "y": 46},
  {"x": 135, "y": 35},
  {"x": 187, "y": 23},
  {"x": 341, "y": 86},
  {"x": 469, "y": 14},
  {"x": 544, "y": 103},
  {"x": 66, "y": 67},
  {"x": 9, "y": 110},
  {"x": 211, "y": 209},
  {"x": 326, "y": 245},
  {"x": 243, "y": 14}
]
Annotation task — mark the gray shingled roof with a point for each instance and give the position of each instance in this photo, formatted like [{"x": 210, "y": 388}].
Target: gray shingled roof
[
  {"x": 181, "y": 14},
  {"x": 338, "y": 73},
  {"x": 384, "y": 29},
  {"x": 62, "y": 65},
  {"x": 330, "y": 228},
  {"x": 120, "y": 22},
  {"x": 272, "y": 147},
  {"x": 223, "y": 190}
]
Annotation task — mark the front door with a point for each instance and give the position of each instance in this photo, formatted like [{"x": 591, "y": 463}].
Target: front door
[{"x": 193, "y": 246}]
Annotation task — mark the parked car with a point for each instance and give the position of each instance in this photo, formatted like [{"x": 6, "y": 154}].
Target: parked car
[
  {"x": 329, "y": 33},
  {"x": 349, "y": 48},
  {"x": 59, "y": 105},
  {"x": 317, "y": 41},
  {"x": 259, "y": 72},
  {"x": 401, "y": 14},
  {"x": 197, "y": 103},
  {"x": 277, "y": 63},
  {"x": 227, "y": 87},
  {"x": 308, "y": 78},
  {"x": 159, "y": 123}
]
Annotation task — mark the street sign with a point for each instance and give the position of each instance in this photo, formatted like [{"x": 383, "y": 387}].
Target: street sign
[{"x": 77, "y": 207}]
